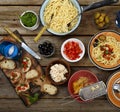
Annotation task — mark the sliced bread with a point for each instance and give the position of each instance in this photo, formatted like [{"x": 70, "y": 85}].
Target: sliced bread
[
  {"x": 26, "y": 64},
  {"x": 15, "y": 76},
  {"x": 31, "y": 74},
  {"x": 7, "y": 64},
  {"x": 50, "y": 89}
]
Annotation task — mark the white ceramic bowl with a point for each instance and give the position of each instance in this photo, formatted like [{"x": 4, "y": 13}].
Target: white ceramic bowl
[
  {"x": 33, "y": 27},
  {"x": 76, "y": 4},
  {"x": 81, "y": 45}
]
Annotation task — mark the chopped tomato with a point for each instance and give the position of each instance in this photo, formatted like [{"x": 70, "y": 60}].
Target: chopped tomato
[
  {"x": 18, "y": 88},
  {"x": 22, "y": 87},
  {"x": 13, "y": 75},
  {"x": 25, "y": 63},
  {"x": 72, "y": 50},
  {"x": 107, "y": 51}
]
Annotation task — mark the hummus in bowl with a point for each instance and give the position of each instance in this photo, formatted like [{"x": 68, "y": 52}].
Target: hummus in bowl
[{"x": 104, "y": 50}]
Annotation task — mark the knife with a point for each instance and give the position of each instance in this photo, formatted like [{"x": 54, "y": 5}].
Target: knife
[{"x": 23, "y": 45}]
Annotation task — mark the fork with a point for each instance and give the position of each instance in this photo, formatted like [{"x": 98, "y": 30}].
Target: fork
[{"x": 116, "y": 87}]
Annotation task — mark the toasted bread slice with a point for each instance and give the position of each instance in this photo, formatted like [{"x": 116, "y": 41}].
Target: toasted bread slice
[
  {"x": 7, "y": 64},
  {"x": 22, "y": 87},
  {"x": 26, "y": 64},
  {"x": 50, "y": 89},
  {"x": 15, "y": 76},
  {"x": 31, "y": 74}
]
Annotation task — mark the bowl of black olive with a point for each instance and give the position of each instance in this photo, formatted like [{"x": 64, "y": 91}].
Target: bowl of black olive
[{"x": 46, "y": 48}]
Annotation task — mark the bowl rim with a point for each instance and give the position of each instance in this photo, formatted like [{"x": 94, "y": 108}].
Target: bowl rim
[
  {"x": 81, "y": 46},
  {"x": 100, "y": 67},
  {"x": 35, "y": 26},
  {"x": 55, "y": 33},
  {"x": 66, "y": 64},
  {"x": 108, "y": 81},
  {"x": 47, "y": 56},
  {"x": 73, "y": 75}
]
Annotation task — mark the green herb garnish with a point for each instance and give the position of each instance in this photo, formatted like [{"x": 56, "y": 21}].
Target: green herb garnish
[
  {"x": 34, "y": 98},
  {"x": 28, "y": 19},
  {"x": 107, "y": 52}
]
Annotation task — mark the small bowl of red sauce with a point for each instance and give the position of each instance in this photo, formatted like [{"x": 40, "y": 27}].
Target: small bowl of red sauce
[{"x": 73, "y": 50}]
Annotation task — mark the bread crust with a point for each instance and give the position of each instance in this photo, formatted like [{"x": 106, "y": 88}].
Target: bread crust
[
  {"x": 50, "y": 89},
  {"x": 7, "y": 64},
  {"x": 31, "y": 74}
]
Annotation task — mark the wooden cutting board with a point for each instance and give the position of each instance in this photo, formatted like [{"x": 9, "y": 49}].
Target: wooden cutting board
[{"x": 29, "y": 90}]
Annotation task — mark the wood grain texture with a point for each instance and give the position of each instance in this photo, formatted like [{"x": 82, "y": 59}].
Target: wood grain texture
[
  {"x": 10, "y": 10},
  {"x": 39, "y": 2},
  {"x": 10, "y": 18},
  {"x": 7, "y": 90},
  {"x": 53, "y": 105}
]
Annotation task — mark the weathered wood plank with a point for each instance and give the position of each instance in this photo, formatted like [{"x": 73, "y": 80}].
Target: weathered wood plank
[
  {"x": 58, "y": 42},
  {"x": 10, "y": 18},
  {"x": 7, "y": 90},
  {"x": 10, "y": 11},
  {"x": 53, "y": 105},
  {"x": 39, "y": 2}
]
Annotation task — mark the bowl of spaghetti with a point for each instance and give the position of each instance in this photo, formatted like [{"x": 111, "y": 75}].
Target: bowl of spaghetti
[
  {"x": 104, "y": 50},
  {"x": 58, "y": 16}
]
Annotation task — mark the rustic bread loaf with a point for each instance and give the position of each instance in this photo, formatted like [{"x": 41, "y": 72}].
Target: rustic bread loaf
[
  {"x": 50, "y": 89},
  {"x": 7, "y": 64},
  {"x": 31, "y": 74}
]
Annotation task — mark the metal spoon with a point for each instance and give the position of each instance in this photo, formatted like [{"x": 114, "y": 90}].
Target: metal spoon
[{"x": 116, "y": 87}]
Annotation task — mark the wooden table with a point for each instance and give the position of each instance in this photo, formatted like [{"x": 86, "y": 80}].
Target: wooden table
[{"x": 10, "y": 11}]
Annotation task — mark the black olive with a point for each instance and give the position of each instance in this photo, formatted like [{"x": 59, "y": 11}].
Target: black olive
[
  {"x": 45, "y": 43},
  {"x": 46, "y": 48},
  {"x": 40, "y": 45},
  {"x": 49, "y": 53},
  {"x": 95, "y": 44},
  {"x": 96, "y": 40}
]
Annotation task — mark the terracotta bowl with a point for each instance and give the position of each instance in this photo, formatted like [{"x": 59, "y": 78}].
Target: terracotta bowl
[
  {"x": 67, "y": 75},
  {"x": 93, "y": 43},
  {"x": 92, "y": 78},
  {"x": 113, "y": 95}
]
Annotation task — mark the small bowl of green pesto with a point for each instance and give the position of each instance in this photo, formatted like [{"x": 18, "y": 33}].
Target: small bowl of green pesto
[{"x": 29, "y": 20}]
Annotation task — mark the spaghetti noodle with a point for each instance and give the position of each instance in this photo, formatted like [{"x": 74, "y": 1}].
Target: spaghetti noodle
[
  {"x": 107, "y": 52},
  {"x": 58, "y": 13}
]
